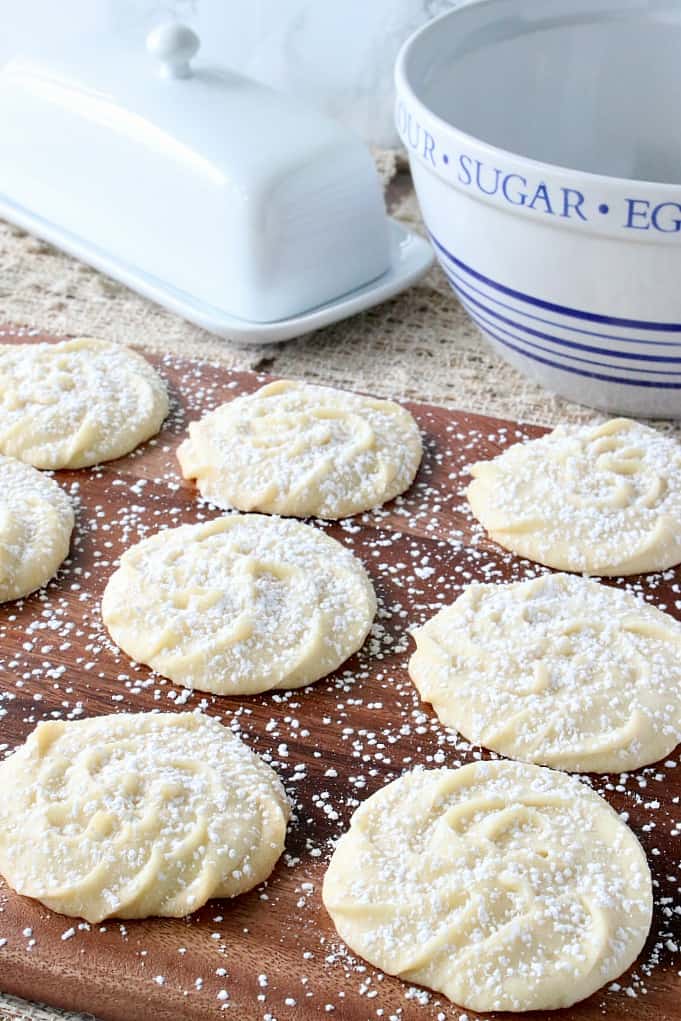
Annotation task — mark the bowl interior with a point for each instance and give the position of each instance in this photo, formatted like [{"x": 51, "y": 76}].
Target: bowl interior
[{"x": 585, "y": 84}]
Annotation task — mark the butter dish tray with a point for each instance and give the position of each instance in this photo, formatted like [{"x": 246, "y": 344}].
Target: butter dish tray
[
  {"x": 223, "y": 201},
  {"x": 411, "y": 258}
]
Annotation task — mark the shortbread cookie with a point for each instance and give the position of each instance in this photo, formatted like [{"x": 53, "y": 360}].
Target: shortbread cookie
[
  {"x": 240, "y": 604},
  {"x": 76, "y": 403},
  {"x": 502, "y": 885},
  {"x": 602, "y": 500},
  {"x": 134, "y": 815},
  {"x": 302, "y": 451},
  {"x": 558, "y": 670},
  {"x": 36, "y": 521}
]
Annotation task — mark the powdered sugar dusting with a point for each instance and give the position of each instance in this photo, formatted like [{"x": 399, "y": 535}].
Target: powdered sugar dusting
[
  {"x": 77, "y": 402},
  {"x": 604, "y": 499},
  {"x": 137, "y": 814},
  {"x": 302, "y": 450},
  {"x": 36, "y": 518},
  {"x": 503, "y": 885},
  {"x": 240, "y": 604},
  {"x": 364, "y": 726},
  {"x": 558, "y": 670}
]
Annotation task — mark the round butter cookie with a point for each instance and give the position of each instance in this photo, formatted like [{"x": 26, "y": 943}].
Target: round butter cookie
[
  {"x": 302, "y": 451},
  {"x": 134, "y": 815},
  {"x": 76, "y": 403},
  {"x": 603, "y": 500},
  {"x": 558, "y": 670},
  {"x": 502, "y": 885},
  {"x": 240, "y": 604},
  {"x": 36, "y": 521}
]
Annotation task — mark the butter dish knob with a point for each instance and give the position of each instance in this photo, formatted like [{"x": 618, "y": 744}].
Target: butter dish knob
[{"x": 173, "y": 45}]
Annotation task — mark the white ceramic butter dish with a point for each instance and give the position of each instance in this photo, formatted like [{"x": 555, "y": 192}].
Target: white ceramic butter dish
[{"x": 220, "y": 199}]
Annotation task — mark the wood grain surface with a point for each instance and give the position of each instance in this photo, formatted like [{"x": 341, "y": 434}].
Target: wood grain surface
[{"x": 273, "y": 953}]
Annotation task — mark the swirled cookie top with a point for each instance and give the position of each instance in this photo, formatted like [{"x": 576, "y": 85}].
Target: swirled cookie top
[
  {"x": 302, "y": 451},
  {"x": 135, "y": 815},
  {"x": 559, "y": 670},
  {"x": 240, "y": 604},
  {"x": 36, "y": 521},
  {"x": 502, "y": 885},
  {"x": 603, "y": 500},
  {"x": 78, "y": 402}
]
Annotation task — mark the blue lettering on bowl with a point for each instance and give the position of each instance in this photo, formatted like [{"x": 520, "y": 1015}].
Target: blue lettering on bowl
[
  {"x": 573, "y": 200},
  {"x": 516, "y": 197},
  {"x": 637, "y": 214},
  {"x": 541, "y": 195},
  {"x": 665, "y": 217},
  {"x": 487, "y": 181},
  {"x": 415, "y": 136},
  {"x": 516, "y": 190},
  {"x": 465, "y": 169}
]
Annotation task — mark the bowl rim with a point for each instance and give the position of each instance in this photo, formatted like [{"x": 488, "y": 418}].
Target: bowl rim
[{"x": 405, "y": 90}]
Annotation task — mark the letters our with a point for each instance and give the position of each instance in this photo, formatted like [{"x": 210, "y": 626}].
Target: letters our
[{"x": 415, "y": 136}]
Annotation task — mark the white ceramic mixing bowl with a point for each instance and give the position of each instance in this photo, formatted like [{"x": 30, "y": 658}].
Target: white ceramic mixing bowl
[{"x": 574, "y": 275}]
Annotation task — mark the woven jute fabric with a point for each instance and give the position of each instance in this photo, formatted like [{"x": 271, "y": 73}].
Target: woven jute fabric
[{"x": 421, "y": 345}]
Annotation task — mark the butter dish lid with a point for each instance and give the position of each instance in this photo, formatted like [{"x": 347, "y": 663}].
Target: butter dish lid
[{"x": 228, "y": 202}]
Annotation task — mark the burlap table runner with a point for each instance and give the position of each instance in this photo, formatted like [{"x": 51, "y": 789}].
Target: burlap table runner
[{"x": 420, "y": 345}]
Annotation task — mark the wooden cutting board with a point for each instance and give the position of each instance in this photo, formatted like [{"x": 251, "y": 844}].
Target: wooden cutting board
[{"x": 273, "y": 951}]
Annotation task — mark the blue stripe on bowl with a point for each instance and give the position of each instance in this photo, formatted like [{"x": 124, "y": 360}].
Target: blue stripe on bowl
[
  {"x": 635, "y": 324},
  {"x": 590, "y": 375},
  {"x": 561, "y": 341},
  {"x": 494, "y": 330},
  {"x": 607, "y": 378},
  {"x": 461, "y": 281}
]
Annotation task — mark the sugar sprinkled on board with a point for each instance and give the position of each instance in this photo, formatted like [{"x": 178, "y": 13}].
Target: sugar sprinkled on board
[{"x": 366, "y": 721}]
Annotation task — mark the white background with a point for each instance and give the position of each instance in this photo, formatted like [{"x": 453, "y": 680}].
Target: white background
[{"x": 337, "y": 54}]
